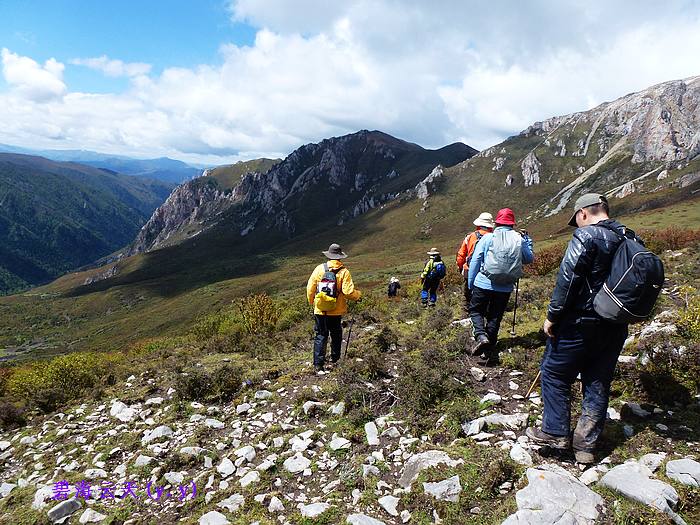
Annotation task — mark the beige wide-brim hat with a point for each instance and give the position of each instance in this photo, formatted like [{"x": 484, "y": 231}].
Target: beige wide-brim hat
[
  {"x": 485, "y": 220},
  {"x": 335, "y": 252},
  {"x": 433, "y": 251}
]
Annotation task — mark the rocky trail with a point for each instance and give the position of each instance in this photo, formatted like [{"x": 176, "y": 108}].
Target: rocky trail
[{"x": 285, "y": 454}]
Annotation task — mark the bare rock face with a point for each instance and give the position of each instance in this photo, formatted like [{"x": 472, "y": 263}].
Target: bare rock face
[
  {"x": 426, "y": 186},
  {"x": 531, "y": 169}
]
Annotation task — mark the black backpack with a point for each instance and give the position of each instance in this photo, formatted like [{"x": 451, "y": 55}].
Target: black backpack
[{"x": 634, "y": 283}]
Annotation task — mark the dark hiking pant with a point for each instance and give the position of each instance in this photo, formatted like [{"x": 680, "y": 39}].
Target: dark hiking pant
[
  {"x": 590, "y": 347},
  {"x": 486, "y": 310},
  {"x": 429, "y": 291},
  {"x": 466, "y": 296},
  {"x": 326, "y": 325}
]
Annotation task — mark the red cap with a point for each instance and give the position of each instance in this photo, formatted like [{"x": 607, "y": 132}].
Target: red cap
[{"x": 505, "y": 217}]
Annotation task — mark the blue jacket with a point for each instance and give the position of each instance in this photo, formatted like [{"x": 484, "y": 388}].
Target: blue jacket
[{"x": 478, "y": 279}]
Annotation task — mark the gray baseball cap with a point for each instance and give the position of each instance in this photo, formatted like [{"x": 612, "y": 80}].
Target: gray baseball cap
[{"x": 584, "y": 201}]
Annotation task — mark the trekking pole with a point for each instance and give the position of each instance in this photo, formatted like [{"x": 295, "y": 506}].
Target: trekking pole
[
  {"x": 515, "y": 308},
  {"x": 532, "y": 386},
  {"x": 347, "y": 341}
]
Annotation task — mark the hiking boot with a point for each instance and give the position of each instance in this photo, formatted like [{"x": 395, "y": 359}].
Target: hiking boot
[
  {"x": 490, "y": 359},
  {"x": 540, "y": 437},
  {"x": 482, "y": 342},
  {"x": 425, "y": 305},
  {"x": 583, "y": 457},
  {"x": 319, "y": 370},
  {"x": 431, "y": 305}
]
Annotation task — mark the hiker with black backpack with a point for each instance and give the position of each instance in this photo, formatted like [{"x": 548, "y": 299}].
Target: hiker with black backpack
[
  {"x": 484, "y": 224},
  {"x": 433, "y": 272},
  {"x": 496, "y": 265},
  {"x": 328, "y": 289},
  {"x": 606, "y": 280}
]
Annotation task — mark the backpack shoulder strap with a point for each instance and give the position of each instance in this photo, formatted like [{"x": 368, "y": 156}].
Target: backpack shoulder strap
[{"x": 325, "y": 266}]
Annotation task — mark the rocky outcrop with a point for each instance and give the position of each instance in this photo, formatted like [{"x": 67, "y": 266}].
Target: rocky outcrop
[
  {"x": 425, "y": 187},
  {"x": 531, "y": 169}
]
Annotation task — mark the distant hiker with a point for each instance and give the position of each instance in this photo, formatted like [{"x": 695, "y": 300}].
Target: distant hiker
[
  {"x": 328, "y": 289},
  {"x": 484, "y": 224},
  {"x": 394, "y": 286},
  {"x": 433, "y": 272},
  {"x": 496, "y": 265},
  {"x": 579, "y": 340}
]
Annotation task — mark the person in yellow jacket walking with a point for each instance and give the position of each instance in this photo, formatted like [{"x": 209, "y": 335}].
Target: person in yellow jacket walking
[{"x": 328, "y": 289}]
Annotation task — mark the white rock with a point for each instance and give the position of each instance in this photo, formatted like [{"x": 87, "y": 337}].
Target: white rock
[
  {"x": 263, "y": 394},
  {"x": 157, "y": 433},
  {"x": 232, "y": 503},
  {"x": 633, "y": 480},
  {"x": 520, "y": 455},
  {"x": 555, "y": 496},
  {"x": 686, "y": 471},
  {"x": 191, "y": 451},
  {"x": 310, "y": 406},
  {"x": 653, "y": 461},
  {"x": 41, "y": 497},
  {"x": 174, "y": 478},
  {"x": 296, "y": 463},
  {"x": 372, "y": 434},
  {"x": 251, "y": 477},
  {"x": 590, "y": 476},
  {"x": 4, "y": 445},
  {"x": 338, "y": 409},
  {"x": 226, "y": 468},
  {"x": 389, "y": 504},
  {"x": 446, "y": 490},
  {"x": 243, "y": 408},
  {"x": 275, "y": 505},
  {"x": 95, "y": 473},
  {"x": 213, "y": 518},
  {"x": 27, "y": 440},
  {"x": 247, "y": 452},
  {"x": 214, "y": 423},
  {"x": 154, "y": 401},
  {"x": 91, "y": 516},
  {"x": 122, "y": 412},
  {"x": 513, "y": 385},
  {"x": 313, "y": 510},
  {"x": 6, "y": 488},
  {"x": 491, "y": 398},
  {"x": 423, "y": 460},
  {"x": 339, "y": 443},
  {"x": 613, "y": 414},
  {"x": 142, "y": 460},
  {"x": 362, "y": 519}
]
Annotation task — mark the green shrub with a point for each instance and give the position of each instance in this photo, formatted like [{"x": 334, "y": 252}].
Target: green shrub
[
  {"x": 688, "y": 324},
  {"x": 258, "y": 313},
  {"x": 292, "y": 312},
  {"x": 48, "y": 399},
  {"x": 222, "y": 384},
  {"x": 226, "y": 382}
]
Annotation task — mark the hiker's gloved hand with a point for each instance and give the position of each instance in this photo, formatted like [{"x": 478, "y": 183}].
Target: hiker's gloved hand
[{"x": 548, "y": 328}]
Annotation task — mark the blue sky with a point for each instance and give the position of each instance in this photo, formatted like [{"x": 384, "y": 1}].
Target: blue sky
[
  {"x": 162, "y": 33},
  {"x": 218, "y": 81}
]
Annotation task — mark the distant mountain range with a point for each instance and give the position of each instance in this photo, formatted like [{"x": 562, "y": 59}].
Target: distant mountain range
[
  {"x": 164, "y": 168},
  {"x": 58, "y": 216}
]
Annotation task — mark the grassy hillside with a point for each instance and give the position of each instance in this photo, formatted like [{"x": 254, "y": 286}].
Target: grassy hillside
[
  {"x": 228, "y": 176},
  {"x": 55, "y": 217}
]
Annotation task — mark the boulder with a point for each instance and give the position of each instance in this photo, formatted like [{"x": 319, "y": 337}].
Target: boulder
[
  {"x": 296, "y": 463},
  {"x": 555, "y": 496},
  {"x": 389, "y": 504},
  {"x": 339, "y": 443},
  {"x": 213, "y": 518},
  {"x": 251, "y": 477},
  {"x": 653, "y": 461},
  {"x": 122, "y": 412},
  {"x": 446, "y": 490},
  {"x": 686, "y": 471},
  {"x": 634, "y": 481},
  {"x": 423, "y": 460},
  {"x": 63, "y": 509},
  {"x": 232, "y": 503},
  {"x": 275, "y": 505},
  {"x": 520, "y": 455},
  {"x": 226, "y": 468},
  {"x": 157, "y": 433}
]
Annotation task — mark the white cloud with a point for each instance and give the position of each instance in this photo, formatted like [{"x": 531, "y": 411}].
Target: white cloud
[
  {"x": 31, "y": 80},
  {"x": 431, "y": 74},
  {"x": 113, "y": 67}
]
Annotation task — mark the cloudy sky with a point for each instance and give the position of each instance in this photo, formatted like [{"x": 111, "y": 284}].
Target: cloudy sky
[{"x": 214, "y": 81}]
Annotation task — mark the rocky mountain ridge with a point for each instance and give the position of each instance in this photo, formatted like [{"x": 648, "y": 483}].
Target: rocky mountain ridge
[{"x": 338, "y": 179}]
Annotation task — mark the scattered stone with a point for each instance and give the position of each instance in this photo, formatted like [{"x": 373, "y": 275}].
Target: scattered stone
[
  {"x": 389, "y": 504},
  {"x": 251, "y": 477},
  {"x": 613, "y": 414},
  {"x": 419, "y": 462},
  {"x": 477, "y": 373},
  {"x": 633, "y": 480},
  {"x": 338, "y": 409},
  {"x": 491, "y": 398},
  {"x": 263, "y": 394},
  {"x": 6, "y": 488},
  {"x": 64, "y": 509},
  {"x": 4, "y": 445},
  {"x": 310, "y": 407},
  {"x": 555, "y": 496},
  {"x": 243, "y": 408},
  {"x": 213, "y": 518},
  {"x": 446, "y": 490},
  {"x": 686, "y": 471},
  {"x": 296, "y": 463},
  {"x": 513, "y": 385},
  {"x": 637, "y": 410},
  {"x": 313, "y": 510},
  {"x": 142, "y": 460},
  {"x": 247, "y": 452},
  {"x": 275, "y": 505},
  {"x": 339, "y": 443},
  {"x": 232, "y": 503},
  {"x": 653, "y": 461},
  {"x": 27, "y": 440},
  {"x": 191, "y": 451},
  {"x": 520, "y": 455},
  {"x": 590, "y": 476},
  {"x": 214, "y": 423},
  {"x": 372, "y": 434},
  {"x": 122, "y": 412},
  {"x": 226, "y": 468},
  {"x": 157, "y": 433},
  {"x": 628, "y": 431},
  {"x": 174, "y": 478},
  {"x": 154, "y": 401},
  {"x": 91, "y": 516},
  {"x": 362, "y": 519}
]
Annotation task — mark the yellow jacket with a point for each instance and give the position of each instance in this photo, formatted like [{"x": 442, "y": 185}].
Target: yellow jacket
[{"x": 346, "y": 288}]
